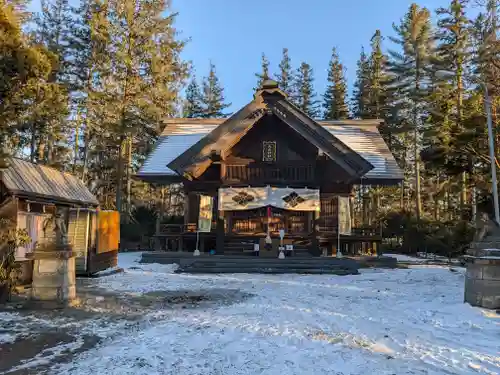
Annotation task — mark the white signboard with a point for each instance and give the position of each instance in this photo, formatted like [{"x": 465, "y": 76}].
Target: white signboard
[
  {"x": 205, "y": 217},
  {"x": 344, "y": 217}
]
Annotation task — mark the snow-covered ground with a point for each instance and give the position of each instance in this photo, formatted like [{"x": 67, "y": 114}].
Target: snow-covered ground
[
  {"x": 407, "y": 258},
  {"x": 380, "y": 322},
  {"x": 399, "y": 322}
]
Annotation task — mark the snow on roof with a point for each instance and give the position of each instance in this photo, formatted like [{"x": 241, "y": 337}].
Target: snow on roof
[
  {"x": 167, "y": 148},
  {"x": 367, "y": 142},
  {"x": 362, "y": 136}
]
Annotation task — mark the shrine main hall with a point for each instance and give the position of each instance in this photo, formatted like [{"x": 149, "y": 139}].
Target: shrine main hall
[{"x": 267, "y": 170}]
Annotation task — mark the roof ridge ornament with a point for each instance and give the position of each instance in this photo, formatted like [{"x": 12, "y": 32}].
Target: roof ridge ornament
[{"x": 269, "y": 86}]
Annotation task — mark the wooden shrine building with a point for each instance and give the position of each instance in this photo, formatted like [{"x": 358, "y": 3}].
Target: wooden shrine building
[
  {"x": 30, "y": 194},
  {"x": 270, "y": 167}
]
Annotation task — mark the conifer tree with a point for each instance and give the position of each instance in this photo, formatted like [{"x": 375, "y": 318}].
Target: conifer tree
[
  {"x": 29, "y": 102},
  {"x": 143, "y": 81},
  {"x": 53, "y": 30},
  {"x": 89, "y": 43},
  {"x": 193, "y": 106},
  {"x": 214, "y": 102},
  {"x": 264, "y": 73},
  {"x": 378, "y": 91},
  {"x": 411, "y": 69},
  {"x": 285, "y": 76},
  {"x": 453, "y": 54},
  {"x": 20, "y": 66},
  {"x": 304, "y": 95},
  {"x": 50, "y": 130},
  {"x": 334, "y": 100},
  {"x": 361, "y": 87}
]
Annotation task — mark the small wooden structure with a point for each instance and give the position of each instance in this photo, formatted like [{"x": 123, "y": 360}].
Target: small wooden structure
[
  {"x": 267, "y": 168},
  {"x": 31, "y": 193}
]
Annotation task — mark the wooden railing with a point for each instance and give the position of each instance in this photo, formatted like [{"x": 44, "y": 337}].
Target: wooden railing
[
  {"x": 270, "y": 173},
  {"x": 166, "y": 229},
  {"x": 363, "y": 232}
]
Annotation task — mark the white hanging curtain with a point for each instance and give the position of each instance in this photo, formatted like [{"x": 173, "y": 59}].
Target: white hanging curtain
[{"x": 237, "y": 199}]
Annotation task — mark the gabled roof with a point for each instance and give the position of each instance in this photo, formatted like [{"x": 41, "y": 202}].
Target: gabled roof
[
  {"x": 338, "y": 151},
  {"x": 196, "y": 158},
  {"x": 194, "y": 161},
  {"x": 362, "y": 136},
  {"x": 23, "y": 178}
]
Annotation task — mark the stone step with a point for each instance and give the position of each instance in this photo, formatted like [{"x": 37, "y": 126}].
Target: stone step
[
  {"x": 263, "y": 265},
  {"x": 259, "y": 270},
  {"x": 250, "y": 251},
  {"x": 259, "y": 260},
  {"x": 159, "y": 257}
]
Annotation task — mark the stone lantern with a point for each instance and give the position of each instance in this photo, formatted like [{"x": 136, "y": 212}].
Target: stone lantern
[
  {"x": 54, "y": 267},
  {"x": 482, "y": 279}
]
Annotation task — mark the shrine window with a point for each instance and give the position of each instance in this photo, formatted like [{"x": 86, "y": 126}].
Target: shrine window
[{"x": 269, "y": 151}]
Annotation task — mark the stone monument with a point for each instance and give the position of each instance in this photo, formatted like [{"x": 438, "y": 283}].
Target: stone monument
[
  {"x": 54, "y": 267},
  {"x": 482, "y": 278}
]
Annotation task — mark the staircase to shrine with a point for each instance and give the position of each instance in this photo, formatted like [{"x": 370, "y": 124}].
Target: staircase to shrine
[
  {"x": 206, "y": 264},
  {"x": 241, "y": 245}
]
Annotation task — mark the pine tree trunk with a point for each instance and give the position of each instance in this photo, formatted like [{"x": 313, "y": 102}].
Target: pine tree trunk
[
  {"x": 41, "y": 149},
  {"x": 463, "y": 181},
  {"x": 418, "y": 197},
  {"x": 129, "y": 178},
  {"x": 403, "y": 167},
  {"x": 402, "y": 196},
  {"x": 50, "y": 152},
  {"x": 33, "y": 142},
  {"x": 119, "y": 170},
  {"x": 77, "y": 145},
  {"x": 86, "y": 140},
  {"x": 463, "y": 193}
]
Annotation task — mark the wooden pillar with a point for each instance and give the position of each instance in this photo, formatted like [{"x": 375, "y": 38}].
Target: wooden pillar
[
  {"x": 310, "y": 223},
  {"x": 186, "y": 209},
  {"x": 315, "y": 250},
  {"x": 157, "y": 243},
  {"x": 219, "y": 228},
  {"x": 220, "y": 235},
  {"x": 202, "y": 242},
  {"x": 351, "y": 208},
  {"x": 159, "y": 219}
]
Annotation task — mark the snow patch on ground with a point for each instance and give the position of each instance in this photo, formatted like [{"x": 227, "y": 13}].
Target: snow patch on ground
[
  {"x": 8, "y": 322},
  {"x": 129, "y": 259},
  {"x": 406, "y": 258},
  {"x": 15, "y": 325},
  {"x": 7, "y": 337},
  {"x": 409, "y": 321},
  {"x": 46, "y": 356}
]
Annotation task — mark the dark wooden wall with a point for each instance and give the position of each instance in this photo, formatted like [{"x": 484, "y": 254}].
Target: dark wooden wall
[{"x": 291, "y": 146}]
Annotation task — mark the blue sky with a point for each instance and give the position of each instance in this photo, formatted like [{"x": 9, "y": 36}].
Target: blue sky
[{"x": 233, "y": 34}]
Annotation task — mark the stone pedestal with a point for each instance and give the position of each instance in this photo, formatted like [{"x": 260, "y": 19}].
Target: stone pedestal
[
  {"x": 54, "y": 275},
  {"x": 482, "y": 279}
]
